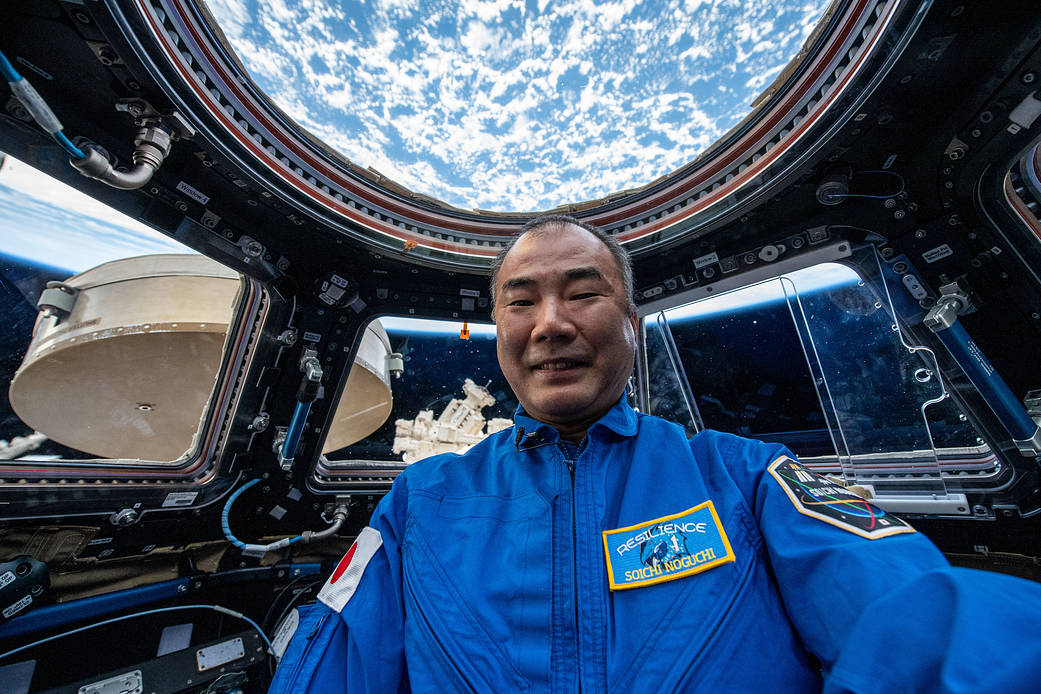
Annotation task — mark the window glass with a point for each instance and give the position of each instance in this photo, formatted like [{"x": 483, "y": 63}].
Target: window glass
[
  {"x": 748, "y": 371},
  {"x": 114, "y": 332},
  {"x": 449, "y": 395},
  {"x": 514, "y": 105}
]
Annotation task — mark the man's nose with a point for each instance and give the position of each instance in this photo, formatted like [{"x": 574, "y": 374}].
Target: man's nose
[{"x": 553, "y": 321}]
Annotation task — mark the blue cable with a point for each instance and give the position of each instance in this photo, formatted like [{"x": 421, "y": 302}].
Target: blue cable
[
  {"x": 39, "y": 109},
  {"x": 218, "y": 608},
  {"x": 226, "y": 526},
  {"x": 66, "y": 144},
  {"x": 7, "y": 69}
]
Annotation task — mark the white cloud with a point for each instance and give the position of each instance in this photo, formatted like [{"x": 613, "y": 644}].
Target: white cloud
[
  {"x": 487, "y": 103},
  {"x": 46, "y": 221}
]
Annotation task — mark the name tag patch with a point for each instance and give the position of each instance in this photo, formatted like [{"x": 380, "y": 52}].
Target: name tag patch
[
  {"x": 666, "y": 548},
  {"x": 820, "y": 498}
]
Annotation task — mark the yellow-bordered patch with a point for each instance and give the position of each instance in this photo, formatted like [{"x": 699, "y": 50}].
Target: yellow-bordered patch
[{"x": 666, "y": 548}]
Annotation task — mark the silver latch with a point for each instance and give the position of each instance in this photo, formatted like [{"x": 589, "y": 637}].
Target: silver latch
[
  {"x": 57, "y": 300},
  {"x": 953, "y": 302}
]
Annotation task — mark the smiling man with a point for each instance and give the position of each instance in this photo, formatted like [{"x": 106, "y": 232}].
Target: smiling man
[
  {"x": 565, "y": 323},
  {"x": 595, "y": 549}
]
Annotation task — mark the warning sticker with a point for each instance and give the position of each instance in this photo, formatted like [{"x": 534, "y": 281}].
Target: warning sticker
[{"x": 817, "y": 497}]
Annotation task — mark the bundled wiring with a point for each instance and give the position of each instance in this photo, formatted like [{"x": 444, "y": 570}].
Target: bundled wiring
[
  {"x": 218, "y": 608},
  {"x": 37, "y": 107}
]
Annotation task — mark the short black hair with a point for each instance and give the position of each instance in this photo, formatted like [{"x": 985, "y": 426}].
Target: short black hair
[{"x": 540, "y": 225}]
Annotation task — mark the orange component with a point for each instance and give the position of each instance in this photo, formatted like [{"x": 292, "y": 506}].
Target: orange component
[
  {"x": 409, "y": 245},
  {"x": 464, "y": 333}
]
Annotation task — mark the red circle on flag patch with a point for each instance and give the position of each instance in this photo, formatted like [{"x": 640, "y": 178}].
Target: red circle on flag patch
[{"x": 344, "y": 563}]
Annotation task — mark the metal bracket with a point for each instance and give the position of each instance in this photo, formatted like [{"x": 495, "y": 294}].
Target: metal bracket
[
  {"x": 128, "y": 683},
  {"x": 953, "y": 302},
  {"x": 57, "y": 300}
]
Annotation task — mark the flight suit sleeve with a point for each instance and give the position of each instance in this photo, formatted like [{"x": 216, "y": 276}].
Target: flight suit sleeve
[
  {"x": 351, "y": 639},
  {"x": 876, "y": 602}
]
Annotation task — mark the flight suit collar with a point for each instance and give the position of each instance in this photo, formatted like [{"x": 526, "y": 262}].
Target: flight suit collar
[{"x": 530, "y": 433}]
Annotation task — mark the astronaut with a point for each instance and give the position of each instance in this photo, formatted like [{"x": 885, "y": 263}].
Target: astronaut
[{"x": 593, "y": 548}]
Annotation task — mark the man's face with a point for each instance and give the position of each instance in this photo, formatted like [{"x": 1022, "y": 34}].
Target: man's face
[{"x": 564, "y": 339}]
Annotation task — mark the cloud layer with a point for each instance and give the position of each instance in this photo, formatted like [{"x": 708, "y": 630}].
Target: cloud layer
[{"x": 514, "y": 104}]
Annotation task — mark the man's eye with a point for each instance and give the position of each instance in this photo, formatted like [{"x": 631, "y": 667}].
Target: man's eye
[
  {"x": 520, "y": 302},
  {"x": 584, "y": 295}
]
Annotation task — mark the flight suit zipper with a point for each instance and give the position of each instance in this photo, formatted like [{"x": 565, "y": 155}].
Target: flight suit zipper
[{"x": 574, "y": 566}]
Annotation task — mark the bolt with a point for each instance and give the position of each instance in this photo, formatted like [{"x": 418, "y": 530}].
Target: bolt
[
  {"x": 976, "y": 132},
  {"x": 81, "y": 17},
  {"x": 887, "y": 253},
  {"x": 986, "y": 116},
  {"x": 906, "y": 78},
  {"x": 890, "y": 203},
  {"x": 182, "y": 588},
  {"x": 1035, "y": 316},
  {"x": 900, "y": 268},
  {"x": 181, "y": 206},
  {"x": 899, "y": 214},
  {"x": 1028, "y": 78},
  {"x": 133, "y": 85},
  {"x": 106, "y": 56},
  {"x": 919, "y": 233}
]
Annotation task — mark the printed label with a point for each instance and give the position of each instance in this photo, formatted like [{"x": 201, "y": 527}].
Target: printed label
[
  {"x": 469, "y": 292},
  {"x": 6, "y": 578},
  {"x": 705, "y": 260},
  {"x": 179, "y": 499},
  {"x": 820, "y": 498},
  {"x": 17, "y": 607},
  {"x": 937, "y": 253},
  {"x": 312, "y": 337},
  {"x": 196, "y": 195},
  {"x": 284, "y": 634},
  {"x": 666, "y": 548}
]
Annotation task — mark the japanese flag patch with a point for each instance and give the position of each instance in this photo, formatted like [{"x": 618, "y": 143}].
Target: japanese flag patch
[
  {"x": 817, "y": 497},
  {"x": 347, "y": 575}
]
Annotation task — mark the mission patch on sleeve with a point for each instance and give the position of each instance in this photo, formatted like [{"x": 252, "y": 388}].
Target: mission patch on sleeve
[{"x": 819, "y": 498}]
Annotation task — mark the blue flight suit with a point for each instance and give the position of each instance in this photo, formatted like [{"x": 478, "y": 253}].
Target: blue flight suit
[{"x": 490, "y": 575}]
